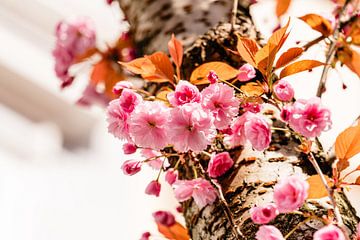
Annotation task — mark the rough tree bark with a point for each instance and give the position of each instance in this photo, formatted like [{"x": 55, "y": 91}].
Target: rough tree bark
[{"x": 204, "y": 27}]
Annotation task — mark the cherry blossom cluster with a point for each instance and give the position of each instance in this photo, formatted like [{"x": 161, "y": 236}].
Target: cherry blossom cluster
[
  {"x": 73, "y": 38},
  {"x": 290, "y": 194}
]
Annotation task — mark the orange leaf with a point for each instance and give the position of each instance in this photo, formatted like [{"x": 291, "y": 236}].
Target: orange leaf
[
  {"x": 174, "y": 232},
  {"x": 136, "y": 66},
  {"x": 316, "y": 187},
  {"x": 318, "y": 23},
  {"x": 299, "y": 66},
  {"x": 252, "y": 89},
  {"x": 265, "y": 57},
  {"x": 176, "y": 50},
  {"x": 247, "y": 49},
  {"x": 342, "y": 164},
  {"x": 348, "y": 143},
  {"x": 354, "y": 63},
  {"x": 357, "y": 182},
  {"x": 282, "y": 6},
  {"x": 100, "y": 71},
  {"x": 223, "y": 70},
  {"x": 88, "y": 53},
  {"x": 162, "y": 94},
  {"x": 288, "y": 56}
]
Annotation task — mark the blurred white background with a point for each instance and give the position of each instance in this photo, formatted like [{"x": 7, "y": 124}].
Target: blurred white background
[{"x": 60, "y": 174}]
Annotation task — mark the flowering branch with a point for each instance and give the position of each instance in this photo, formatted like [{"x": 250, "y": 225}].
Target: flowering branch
[{"x": 330, "y": 192}]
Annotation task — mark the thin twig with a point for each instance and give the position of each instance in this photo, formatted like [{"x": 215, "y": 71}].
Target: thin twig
[
  {"x": 330, "y": 192},
  {"x": 233, "y": 14},
  {"x": 296, "y": 227},
  {"x": 238, "y": 234},
  {"x": 313, "y": 42},
  {"x": 331, "y": 52}
]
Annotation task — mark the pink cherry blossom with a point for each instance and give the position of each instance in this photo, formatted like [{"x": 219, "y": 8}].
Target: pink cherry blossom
[
  {"x": 90, "y": 95},
  {"x": 200, "y": 189},
  {"x": 131, "y": 167},
  {"x": 171, "y": 176},
  {"x": 212, "y": 77},
  {"x": 190, "y": 128},
  {"x": 269, "y": 232},
  {"x": 253, "y": 107},
  {"x": 145, "y": 235},
  {"x": 164, "y": 218},
  {"x": 219, "y": 164},
  {"x": 153, "y": 188},
  {"x": 263, "y": 215},
  {"x": 73, "y": 38},
  {"x": 185, "y": 92},
  {"x": 156, "y": 163},
  {"x": 290, "y": 193},
  {"x": 247, "y": 72},
  {"x": 147, "y": 125},
  {"x": 284, "y": 91},
  {"x": 329, "y": 232},
  {"x": 117, "y": 120},
  {"x": 309, "y": 117},
  {"x": 128, "y": 100},
  {"x": 258, "y": 132},
  {"x": 221, "y": 101},
  {"x": 129, "y": 148},
  {"x": 119, "y": 86},
  {"x": 238, "y": 137}
]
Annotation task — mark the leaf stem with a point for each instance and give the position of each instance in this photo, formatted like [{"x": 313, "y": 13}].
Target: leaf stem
[{"x": 233, "y": 14}]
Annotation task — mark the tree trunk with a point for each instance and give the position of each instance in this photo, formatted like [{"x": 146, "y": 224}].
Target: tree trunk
[{"x": 204, "y": 28}]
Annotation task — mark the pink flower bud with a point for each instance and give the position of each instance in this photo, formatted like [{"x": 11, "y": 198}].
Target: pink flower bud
[
  {"x": 129, "y": 148},
  {"x": 284, "y": 91},
  {"x": 153, "y": 188},
  {"x": 269, "y": 232},
  {"x": 129, "y": 100},
  {"x": 212, "y": 77},
  {"x": 119, "y": 86},
  {"x": 285, "y": 113},
  {"x": 131, "y": 167},
  {"x": 145, "y": 236},
  {"x": 171, "y": 176},
  {"x": 179, "y": 209},
  {"x": 247, "y": 72},
  {"x": 290, "y": 193},
  {"x": 164, "y": 218},
  {"x": 329, "y": 232},
  {"x": 219, "y": 164},
  {"x": 263, "y": 215}
]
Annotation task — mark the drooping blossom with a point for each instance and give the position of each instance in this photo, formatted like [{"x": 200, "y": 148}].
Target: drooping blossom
[
  {"x": 310, "y": 117},
  {"x": 263, "y": 215},
  {"x": 284, "y": 91},
  {"x": 117, "y": 120},
  {"x": 171, "y": 176},
  {"x": 147, "y": 125},
  {"x": 165, "y": 218},
  {"x": 221, "y": 101},
  {"x": 258, "y": 132},
  {"x": 329, "y": 232},
  {"x": 131, "y": 167},
  {"x": 129, "y": 148},
  {"x": 290, "y": 193},
  {"x": 119, "y": 86},
  {"x": 212, "y": 77},
  {"x": 247, "y": 72},
  {"x": 269, "y": 232},
  {"x": 219, "y": 164},
  {"x": 128, "y": 100},
  {"x": 145, "y": 236},
  {"x": 153, "y": 188},
  {"x": 185, "y": 92},
  {"x": 200, "y": 189},
  {"x": 191, "y": 127},
  {"x": 73, "y": 38}
]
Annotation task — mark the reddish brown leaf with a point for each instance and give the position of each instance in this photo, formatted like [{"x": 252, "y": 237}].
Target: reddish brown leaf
[
  {"x": 318, "y": 23},
  {"x": 282, "y": 6},
  {"x": 316, "y": 187},
  {"x": 357, "y": 182},
  {"x": 348, "y": 143},
  {"x": 223, "y": 70},
  {"x": 247, "y": 49},
  {"x": 252, "y": 89},
  {"x": 288, "y": 56},
  {"x": 299, "y": 66},
  {"x": 176, "y": 50},
  {"x": 342, "y": 164},
  {"x": 175, "y": 232},
  {"x": 164, "y": 70}
]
